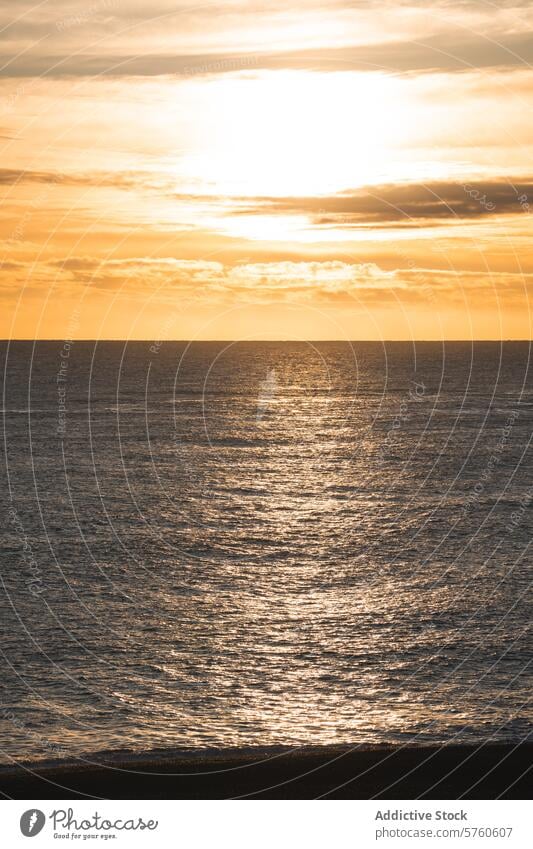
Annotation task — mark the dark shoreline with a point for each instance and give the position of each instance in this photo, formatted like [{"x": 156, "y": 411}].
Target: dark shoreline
[{"x": 336, "y": 772}]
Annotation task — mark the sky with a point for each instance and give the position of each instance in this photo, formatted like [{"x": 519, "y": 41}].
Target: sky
[{"x": 265, "y": 170}]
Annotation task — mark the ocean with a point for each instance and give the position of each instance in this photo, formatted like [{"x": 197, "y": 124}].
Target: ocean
[{"x": 221, "y": 545}]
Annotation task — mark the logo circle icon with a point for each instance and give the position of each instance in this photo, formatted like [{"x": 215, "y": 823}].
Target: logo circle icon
[{"x": 32, "y": 822}]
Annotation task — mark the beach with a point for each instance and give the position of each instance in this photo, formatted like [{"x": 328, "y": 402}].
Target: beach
[{"x": 332, "y": 772}]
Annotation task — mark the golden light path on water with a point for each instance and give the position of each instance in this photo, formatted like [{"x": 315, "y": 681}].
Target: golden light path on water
[{"x": 283, "y": 543}]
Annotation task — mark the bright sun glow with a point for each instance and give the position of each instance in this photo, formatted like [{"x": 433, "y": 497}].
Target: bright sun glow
[
  {"x": 288, "y": 133},
  {"x": 147, "y": 159}
]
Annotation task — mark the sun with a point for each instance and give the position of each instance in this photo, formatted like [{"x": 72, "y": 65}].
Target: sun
[{"x": 284, "y": 133}]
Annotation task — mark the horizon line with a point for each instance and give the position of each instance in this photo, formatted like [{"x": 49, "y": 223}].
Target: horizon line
[{"x": 254, "y": 341}]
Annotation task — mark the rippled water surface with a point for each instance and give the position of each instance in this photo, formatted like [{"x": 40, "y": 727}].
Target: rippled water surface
[{"x": 234, "y": 544}]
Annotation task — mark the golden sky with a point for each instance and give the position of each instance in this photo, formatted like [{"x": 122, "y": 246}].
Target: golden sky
[{"x": 230, "y": 170}]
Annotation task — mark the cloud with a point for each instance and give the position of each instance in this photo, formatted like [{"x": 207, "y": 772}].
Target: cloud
[
  {"x": 13, "y": 176},
  {"x": 370, "y": 205},
  {"x": 443, "y": 53},
  {"x": 403, "y": 202},
  {"x": 125, "y": 37},
  {"x": 190, "y": 282}
]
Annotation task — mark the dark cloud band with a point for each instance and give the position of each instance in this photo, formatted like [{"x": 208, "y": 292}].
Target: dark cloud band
[{"x": 447, "y": 52}]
